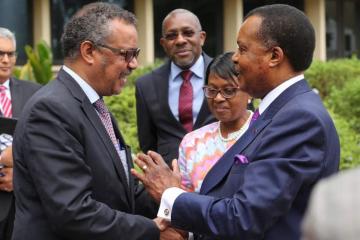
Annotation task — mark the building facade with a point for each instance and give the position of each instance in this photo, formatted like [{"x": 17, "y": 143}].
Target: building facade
[{"x": 337, "y": 34}]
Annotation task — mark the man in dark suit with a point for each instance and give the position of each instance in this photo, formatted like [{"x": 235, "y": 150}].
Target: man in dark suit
[
  {"x": 70, "y": 160},
  {"x": 162, "y": 119},
  {"x": 13, "y": 95},
  {"x": 260, "y": 188}
]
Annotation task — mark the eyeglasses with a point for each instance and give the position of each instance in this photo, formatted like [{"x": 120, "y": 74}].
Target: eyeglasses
[
  {"x": 187, "y": 33},
  {"x": 9, "y": 54},
  {"x": 228, "y": 92},
  {"x": 128, "y": 54}
]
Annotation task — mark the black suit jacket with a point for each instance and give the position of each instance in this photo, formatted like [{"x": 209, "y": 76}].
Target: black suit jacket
[
  {"x": 158, "y": 129},
  {"x": 20, "y": 92},
  {"x": 69, "y": 180}
]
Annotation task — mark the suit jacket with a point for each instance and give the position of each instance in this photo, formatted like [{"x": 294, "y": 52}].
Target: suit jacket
[
  {"x": 69, "y": 180},
  {"x": 158, "y": 129},
  {"x": 260, "y": 188},
  {"x": 20, "y": 92}
]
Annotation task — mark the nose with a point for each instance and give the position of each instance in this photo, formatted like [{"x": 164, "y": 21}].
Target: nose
[
  {"x": 180, "y": 39},
  {"x": 5, "y": 58},
  {"x": 219, "y": 97},
  {"x": 234, "y": 57},
  {"x": 133, "y": 64}
]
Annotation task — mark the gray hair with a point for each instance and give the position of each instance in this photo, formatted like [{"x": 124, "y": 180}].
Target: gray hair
[
  {"x": 181, "y": 11},
  {"x": 6, "y": 33},
  {"x": 91, "y": 23}
]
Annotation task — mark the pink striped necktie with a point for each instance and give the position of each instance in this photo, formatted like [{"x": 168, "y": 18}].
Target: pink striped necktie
[
  {"x": 106, "y": 121},
  {"x": 185, "y": 101},
  {"x": 5, "y": 103}
]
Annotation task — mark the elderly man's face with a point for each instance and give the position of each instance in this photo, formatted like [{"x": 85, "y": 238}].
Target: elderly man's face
[
  {"x": 113, "y": 67},
  {"x": 7, "y": 58},
  {"x": 252, "y": 59},
  {"x": 182, "y": 40}
]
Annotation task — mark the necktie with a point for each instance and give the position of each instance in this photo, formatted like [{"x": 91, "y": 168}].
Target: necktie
[
  {"x": 5, "y": 103},
  {"x": 185, "y": 101},
  {"x": 106, "y": 120},
  {"x": 254, "y": 117}
]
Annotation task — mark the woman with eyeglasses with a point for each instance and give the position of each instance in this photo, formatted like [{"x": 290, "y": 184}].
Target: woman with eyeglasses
[{"x": 202, "y": 148}]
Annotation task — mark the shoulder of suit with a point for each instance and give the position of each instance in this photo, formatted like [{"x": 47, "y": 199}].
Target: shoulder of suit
[{"x": 26, "y": 83}]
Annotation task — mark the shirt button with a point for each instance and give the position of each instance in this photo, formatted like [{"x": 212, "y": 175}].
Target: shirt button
[{"x": 166, "y": 212}]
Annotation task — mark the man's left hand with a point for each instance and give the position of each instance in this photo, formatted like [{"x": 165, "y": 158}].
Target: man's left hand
[
  {"x": 156, "y": 175},
  {"x": 6, "y": 171}
]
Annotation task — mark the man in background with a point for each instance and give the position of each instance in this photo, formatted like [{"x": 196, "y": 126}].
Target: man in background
[
  {"x": 169, "y": 100},
  {"x": 14, "y": 94},
  {"x": 70, "y": 160}
]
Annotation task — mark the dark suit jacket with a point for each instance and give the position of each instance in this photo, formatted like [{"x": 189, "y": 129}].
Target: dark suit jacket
[
  {"x": 20, "y": 92},
  {"x": 69, "y": 180},
  {"x": 158, "y": 129},
  {"x": 289, "y": 148}
]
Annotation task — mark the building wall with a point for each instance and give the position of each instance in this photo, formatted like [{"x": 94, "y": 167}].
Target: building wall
[{"x": 232, "y": 12}]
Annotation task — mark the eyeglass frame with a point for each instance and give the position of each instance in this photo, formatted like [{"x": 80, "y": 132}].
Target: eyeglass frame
[
  {"x": 221, "y": 91},
  {"x": 122, "y": 52},
  {"x": 11, "y": 54},
  {"x": 171, "y": 36}
]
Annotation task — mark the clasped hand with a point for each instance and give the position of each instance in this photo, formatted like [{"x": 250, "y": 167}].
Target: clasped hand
[{"x": 156, "y": 175}]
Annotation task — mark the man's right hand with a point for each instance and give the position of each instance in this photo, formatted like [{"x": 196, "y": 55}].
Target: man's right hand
[{"x": 6, "y": 171}]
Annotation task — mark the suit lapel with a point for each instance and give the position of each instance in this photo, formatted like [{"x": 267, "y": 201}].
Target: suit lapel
[
  {"x": 223, "y": 166},
  {"x": 17, "y": 97},
  {"x": 162, "y": 89},
  {"x": 95, "y": 120}
]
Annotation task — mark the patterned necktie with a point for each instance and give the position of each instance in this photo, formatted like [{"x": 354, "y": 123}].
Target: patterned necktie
[
  {"x": 185, "y": 101},
  {"x": 254, "y": 117},
  {"x": 5, "y": 103},
  {"x": 106, "y": 120}
]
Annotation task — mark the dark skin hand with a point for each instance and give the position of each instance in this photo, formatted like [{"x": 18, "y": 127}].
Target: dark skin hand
[
  {"x": 156, "y": 176},
  {"x": 173, "y": 234}
]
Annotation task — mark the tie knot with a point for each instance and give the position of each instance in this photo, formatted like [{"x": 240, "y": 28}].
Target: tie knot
[
  {"x": 100, "y": 106},
  {"x": 2, "y": 88},
  {"x": 186, "y": 75}
]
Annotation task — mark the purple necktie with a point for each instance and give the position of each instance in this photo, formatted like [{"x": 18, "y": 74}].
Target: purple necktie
[
  {"x": 185, "y": 101},
  {"x": 254, "y": 117},
  {"x": 106, "y": 120}
]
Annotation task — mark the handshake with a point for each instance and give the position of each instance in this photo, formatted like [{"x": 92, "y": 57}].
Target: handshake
[{"x": 156, "y": 177}]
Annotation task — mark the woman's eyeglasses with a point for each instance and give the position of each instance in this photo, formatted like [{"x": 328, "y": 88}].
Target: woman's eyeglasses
[{"x": 228, "y": 92}]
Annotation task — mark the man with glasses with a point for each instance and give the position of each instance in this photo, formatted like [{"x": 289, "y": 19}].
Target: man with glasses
[
  {"x": 169, "y": 100},
  {"x": 71, "y": 162},
  {"x": 14, "y": 94}
]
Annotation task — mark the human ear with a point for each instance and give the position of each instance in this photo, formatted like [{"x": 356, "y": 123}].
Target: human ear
[
  {"x": 87, "y": 50},
  {"x": 277, "y": 56}
]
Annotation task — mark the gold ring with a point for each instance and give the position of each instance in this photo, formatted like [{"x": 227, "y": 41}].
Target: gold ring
[{"x": 144, "y": 167}]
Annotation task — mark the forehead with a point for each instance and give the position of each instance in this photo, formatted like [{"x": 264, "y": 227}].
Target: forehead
[
  {"x": 6, "y": 45},
  {"x": 122, "y": 34},
  {"x": 180, "y": 21},
  {"x": 249, "y": 29}
]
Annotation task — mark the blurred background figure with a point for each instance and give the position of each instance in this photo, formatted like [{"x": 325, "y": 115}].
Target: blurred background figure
[
  {"x": 334, "y": 209},
  {"x": 14, "y": 94}
]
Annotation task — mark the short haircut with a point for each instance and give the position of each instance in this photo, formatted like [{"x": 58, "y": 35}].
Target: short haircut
[
  {"x": 6, "y": 33},
  {"x": 289, "y": 28},
  {"x": 181, "y": 11},
  {"x": 91, "y": 23},
  {"x": 223, "y": 67}
]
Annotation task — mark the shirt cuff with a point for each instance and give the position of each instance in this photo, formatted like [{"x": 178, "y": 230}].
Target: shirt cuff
[{"x": 167, "y": 201}]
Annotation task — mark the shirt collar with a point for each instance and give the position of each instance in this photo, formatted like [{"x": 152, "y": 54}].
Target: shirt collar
[
  {"x": 197, "y": 68},
  {"x": 88, "y": 90},
  {"x": 273, "y": 94},
  {"x": 6, "y": 84}
]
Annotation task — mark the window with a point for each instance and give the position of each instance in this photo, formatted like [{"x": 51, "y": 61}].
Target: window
[
  {"x": 19, "y": 23},
  {"x": 61, "y": 12}
]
